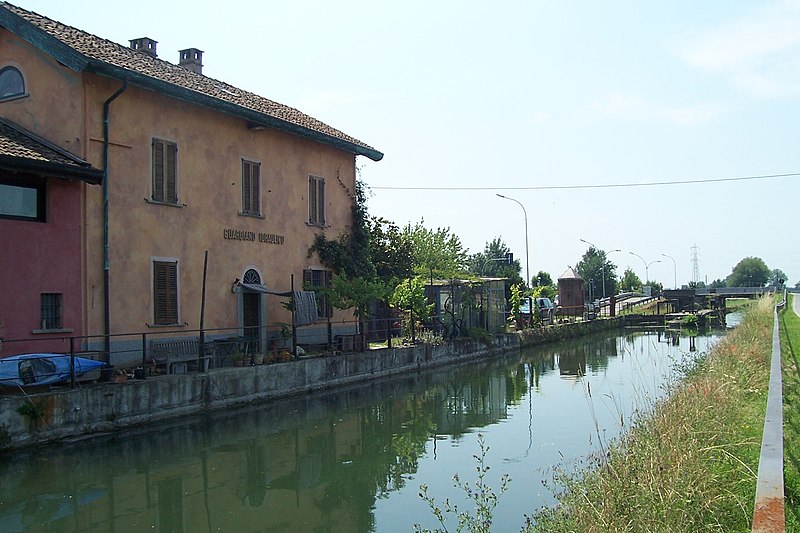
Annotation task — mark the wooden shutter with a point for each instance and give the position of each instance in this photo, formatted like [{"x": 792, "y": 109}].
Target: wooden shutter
[
  {"x": 245, "y": 187},
  {"x": 321, "y": 202},
  {"x": 165, "y": 292},
  {"x": 312, "y": 200},
  {"x": 171, "y": 172},
  {"x": 165, "y": 171},
  {"x": 158, "y": 170},
  {"x": 255, "y": 182},
  {"x": 327, "y": 307},
  {"x": 250, "y": 188}
]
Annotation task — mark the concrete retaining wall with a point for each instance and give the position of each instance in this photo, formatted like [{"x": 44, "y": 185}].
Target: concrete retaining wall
[{"x": 107, "y": 407}]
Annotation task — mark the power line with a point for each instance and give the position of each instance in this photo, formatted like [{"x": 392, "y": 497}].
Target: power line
[{"x": 603, "y": 186}]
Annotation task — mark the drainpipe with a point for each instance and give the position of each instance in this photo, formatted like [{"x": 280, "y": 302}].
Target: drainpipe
[{"x": 106, "y": 296}]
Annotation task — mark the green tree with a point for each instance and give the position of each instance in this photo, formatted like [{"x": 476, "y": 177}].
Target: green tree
[
  {"x": 391, "y": 251},
  {"x": 543, "y": 286},
  {"x": 493, "y": 262},
  {"x": 596, "y": 269},
  {"x": 718, "y": 284},
  {"x": 410, "y": 295},
  {"x": 778, "y": 278},
  {"x": 438, "y": 251},
  {"x": 542, "y": 279},
  {"x": 749, "y": 272},
  {"x": 630, "y": 281},
  {"x": 349, "y": 253}
]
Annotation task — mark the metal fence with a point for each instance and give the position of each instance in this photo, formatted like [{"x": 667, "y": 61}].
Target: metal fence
[{"x": 769, "y": 513}]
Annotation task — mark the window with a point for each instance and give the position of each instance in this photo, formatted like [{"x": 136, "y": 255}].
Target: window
[
  {"x": 51, "y": 311},
  {"x": 12, "y": 84},
  {"x": 165, "y": 293},
  {"x": 22, "y": 202},
  {"x": 317, "y": 279},
  {"x": 165, "y": 172},
  {"x": 316, "y": 201},
  {"x": 251, "y": 188}
]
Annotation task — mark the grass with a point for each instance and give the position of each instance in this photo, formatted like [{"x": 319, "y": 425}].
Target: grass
[
  {"x": 790, "y": 351},
  {"x": 691, "y": 464}
]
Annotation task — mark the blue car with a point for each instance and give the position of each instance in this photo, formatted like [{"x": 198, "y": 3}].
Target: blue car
[{"x": 42, "y": 369}]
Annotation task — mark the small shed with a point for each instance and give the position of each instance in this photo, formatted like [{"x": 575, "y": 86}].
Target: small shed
[
  {"x": 570, "y": 293},
  {"x": 463, "y": 305}
]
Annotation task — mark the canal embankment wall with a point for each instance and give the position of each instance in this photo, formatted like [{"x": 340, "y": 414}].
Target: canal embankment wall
[{"x": 53, "y": 415}]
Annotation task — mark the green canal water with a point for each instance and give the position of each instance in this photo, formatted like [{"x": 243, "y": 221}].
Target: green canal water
[{"x": 352, "y": 460}]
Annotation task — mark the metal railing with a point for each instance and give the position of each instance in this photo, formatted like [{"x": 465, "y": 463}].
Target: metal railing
[{"x": 769, "y": 514}]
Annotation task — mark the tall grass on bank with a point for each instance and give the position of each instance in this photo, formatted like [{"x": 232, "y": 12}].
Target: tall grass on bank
[
  {"x": 790, "y": 351},
  {"x": 690, "y": 464}
]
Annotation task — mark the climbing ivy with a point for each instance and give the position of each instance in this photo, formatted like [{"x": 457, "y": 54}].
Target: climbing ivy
[{"x": 349, "y": 253}]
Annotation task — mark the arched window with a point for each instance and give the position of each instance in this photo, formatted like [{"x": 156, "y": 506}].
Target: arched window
[
  {"x": 251, "y": 277},
  {"x": 12, "y": 84}
]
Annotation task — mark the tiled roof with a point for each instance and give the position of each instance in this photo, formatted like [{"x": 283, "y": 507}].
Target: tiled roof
[
  {"x": 27, "y": 151},
  {"x": 83, "y": 51},
  {"x": 570, "y": 273}
]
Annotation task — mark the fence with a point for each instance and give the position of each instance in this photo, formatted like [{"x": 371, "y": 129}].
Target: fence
[{"x": 769, "y": 514}]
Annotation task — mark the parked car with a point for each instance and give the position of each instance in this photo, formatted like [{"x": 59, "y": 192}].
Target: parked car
[{"x": 543, "y": 307}]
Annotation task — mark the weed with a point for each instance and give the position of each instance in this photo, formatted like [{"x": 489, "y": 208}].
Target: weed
[
  {"x": 33, "y": 410},
  {"x": 689, "y": 464},
  {"x": 479, "y": 520}
]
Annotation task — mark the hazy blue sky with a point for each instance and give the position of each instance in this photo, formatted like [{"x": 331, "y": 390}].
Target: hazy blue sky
[{"x": 508, "y": 95}]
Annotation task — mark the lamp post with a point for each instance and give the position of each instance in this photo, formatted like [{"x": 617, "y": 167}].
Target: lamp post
[
  {"x": 674, "y": 271},
  {"x": 646, "y": 267},
  {"x": 602, "y": 264},
  {"x": 527, "y": 257}
]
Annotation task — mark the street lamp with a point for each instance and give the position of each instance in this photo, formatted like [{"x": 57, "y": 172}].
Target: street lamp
[
  {"x": 602, "y": 264},
  {"x": 527, "y": 257},
  {"x": 674, "y": 270},
  {"x": 646, "y": 267}
]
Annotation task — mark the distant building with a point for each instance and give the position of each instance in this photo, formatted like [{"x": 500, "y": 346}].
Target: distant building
[
  {"x": 571, "y": 293},
  {"x": 187, "y": 163}
]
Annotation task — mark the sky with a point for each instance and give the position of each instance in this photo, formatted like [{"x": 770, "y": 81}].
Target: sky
[{"x": 545, "y": 102}]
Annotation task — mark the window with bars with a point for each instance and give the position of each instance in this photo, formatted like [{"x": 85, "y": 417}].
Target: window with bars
[
  {"x": 165, "y": 293},
  {"x": 51, "y": 311},
  {"x": 316, "y": 201},
  {"x": 165, "y": 172},
  {"x": 251, "y": 188},
  {"x": 317, "y": 279}
]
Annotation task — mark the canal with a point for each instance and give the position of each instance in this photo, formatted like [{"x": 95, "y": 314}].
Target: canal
[{"x": 353, "y": 460}]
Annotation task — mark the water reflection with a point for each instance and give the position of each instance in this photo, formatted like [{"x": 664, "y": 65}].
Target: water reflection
[{"x": 335, "y": 461}]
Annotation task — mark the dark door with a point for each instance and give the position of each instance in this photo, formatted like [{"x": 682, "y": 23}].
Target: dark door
[{"x": 251, "y": 320}]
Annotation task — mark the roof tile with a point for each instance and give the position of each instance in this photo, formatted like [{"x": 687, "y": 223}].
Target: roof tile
[{"x": 111, "y": 53}]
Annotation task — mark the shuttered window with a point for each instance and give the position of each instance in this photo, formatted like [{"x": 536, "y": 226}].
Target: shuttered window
[
  {"x": 315, "y": 280},
  {"x": 165, "y": 171},
  {"x": 316, "y": 201},
  {"x": 165, "y": 292},
  {"x": 251, "y": 188}
]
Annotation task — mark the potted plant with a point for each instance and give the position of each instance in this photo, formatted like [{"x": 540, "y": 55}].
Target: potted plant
[{"x": 238, "y": 358}]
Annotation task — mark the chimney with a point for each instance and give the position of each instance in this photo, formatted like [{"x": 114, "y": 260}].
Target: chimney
[
  {"x": 145, "y": 45},
  {"x": 192, "y": 59}
]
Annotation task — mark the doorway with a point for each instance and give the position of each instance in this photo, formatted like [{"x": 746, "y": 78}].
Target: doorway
[{"x": 251, "y": 312}]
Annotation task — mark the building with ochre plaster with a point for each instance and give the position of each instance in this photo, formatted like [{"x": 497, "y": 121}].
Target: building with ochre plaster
[{"x": 150, "y": 165}]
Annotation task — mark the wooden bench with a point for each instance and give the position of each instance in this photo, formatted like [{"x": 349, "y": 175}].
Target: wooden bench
[{"x": 177, "y": 356}]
